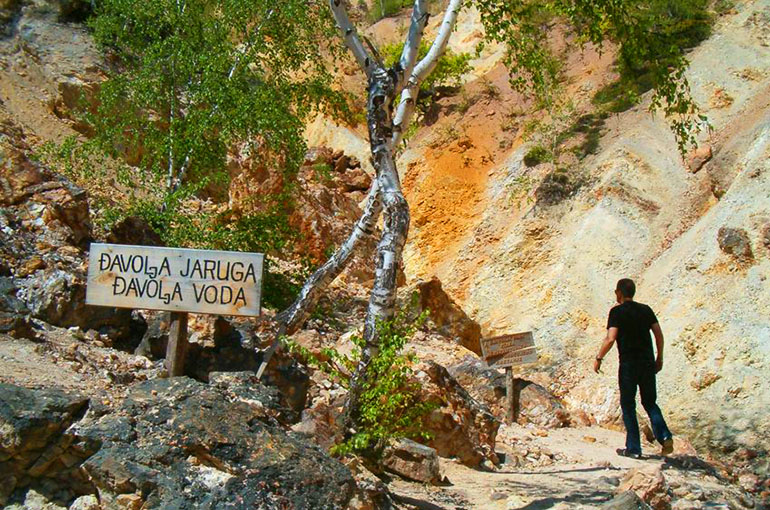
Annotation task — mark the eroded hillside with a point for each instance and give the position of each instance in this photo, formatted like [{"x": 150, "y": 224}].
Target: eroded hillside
[{"x": 515, "y": 263}]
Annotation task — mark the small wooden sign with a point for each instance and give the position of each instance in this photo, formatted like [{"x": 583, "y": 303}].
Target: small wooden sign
[
  {"x": 499, "y": 345},
  {"x": 513, "y": 358},
  {"x": 505, "y": 352},
  {"x": 174, "y": 279}
]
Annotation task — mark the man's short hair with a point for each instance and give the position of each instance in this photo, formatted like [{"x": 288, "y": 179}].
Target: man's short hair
[{"x": 626, "y": 287}]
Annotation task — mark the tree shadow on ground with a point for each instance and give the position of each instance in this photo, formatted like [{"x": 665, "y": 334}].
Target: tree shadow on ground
[
  {"x": 560, "y": 471},
  {"x": 569, "y": 490}
]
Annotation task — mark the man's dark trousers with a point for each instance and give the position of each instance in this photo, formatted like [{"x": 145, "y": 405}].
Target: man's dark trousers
[{"x": 641, "y": 374}]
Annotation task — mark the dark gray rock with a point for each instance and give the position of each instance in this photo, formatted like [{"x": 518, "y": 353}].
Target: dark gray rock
[
  {"x": 35, "y": 443},
  {"x": 735, "y": 242},
  {"x": 627, "y": 500},
  {"x": 14, "y": 315},
  {"x": 235, "y": 349},
  {"x": 177, "y": 443},
  {"x": 155, "y": 339},
  {"x": 58, "y": 297},
  {"x": 134, "y": 230}
]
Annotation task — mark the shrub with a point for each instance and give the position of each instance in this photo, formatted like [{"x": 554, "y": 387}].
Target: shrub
[
  {"x": 390, "y": 407},
  {"x": 557, "y": 186},
  {"x": 536, "y": 155}
]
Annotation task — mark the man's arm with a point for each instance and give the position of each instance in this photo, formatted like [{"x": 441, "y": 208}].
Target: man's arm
[
  {"x": 659, "y": 346},
  {"x": 609, "y": 340}
]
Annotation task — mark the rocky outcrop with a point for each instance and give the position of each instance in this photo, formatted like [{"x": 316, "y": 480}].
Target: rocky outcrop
[
  {"x": 537, "y": 405},
  {"x": 460, "y": 426},
  {"x": 177, "y": 443},
  {"x": 44, "y": 228},
  {"x": 55, "y": 62},
  {"x": 413, "y": 461},
  {"x": 323, "y": 205},
  {"x": 735, "y": 242},
  {"x": 450, "y": 319},
  {"x": 173, "y": 443},
  {"x": 36, "y": 446}
]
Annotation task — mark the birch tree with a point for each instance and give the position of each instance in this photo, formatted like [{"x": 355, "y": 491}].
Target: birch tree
[
  {"x": 391, "y": 100},
  {"x": 189, "y": 81}
]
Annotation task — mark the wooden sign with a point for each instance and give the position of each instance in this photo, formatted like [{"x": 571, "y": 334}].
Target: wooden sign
[
  {"x": 496, "y": 346},
  {"x": 505, "y": 352},
  {"x": 513, "y": 358},
  {"x": 174, "y": 279}
]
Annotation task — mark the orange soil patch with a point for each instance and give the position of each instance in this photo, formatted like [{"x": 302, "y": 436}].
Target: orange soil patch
[{"x": 447, "y": 188}]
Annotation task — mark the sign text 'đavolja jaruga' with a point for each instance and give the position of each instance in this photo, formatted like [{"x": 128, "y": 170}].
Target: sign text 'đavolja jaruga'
[{"x": 174, "y": 279}]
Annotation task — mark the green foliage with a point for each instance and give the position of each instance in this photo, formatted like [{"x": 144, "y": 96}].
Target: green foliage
[
  {"x": 449, "y": 70},
  {"x": 322, "y": 171},
  {"x": 112, "y": 198},
  {"x": 682, "y": 24},
  {"x": 194, "y": 77},
  {"x": 652, "y": 39},
  {"x": 536, "y": 155},
  {"x": 386, "y": 8},
  {"x": 389, "y": 407}
]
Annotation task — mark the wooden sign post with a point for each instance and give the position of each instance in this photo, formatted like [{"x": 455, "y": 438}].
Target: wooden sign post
[
  {"x": 178, "y": 280},
  {"x": 506, "y": 352}
]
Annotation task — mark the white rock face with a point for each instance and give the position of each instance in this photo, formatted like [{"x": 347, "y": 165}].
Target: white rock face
[{"x": 642, "y": 215}]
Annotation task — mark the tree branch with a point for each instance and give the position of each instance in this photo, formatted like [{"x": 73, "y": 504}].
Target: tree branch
[
  {"x": 352, "y": 41},
  {"x": 405, "y": 109},
  {"x": 292, "y": 318},
  {"x": 412, "y": 44}
]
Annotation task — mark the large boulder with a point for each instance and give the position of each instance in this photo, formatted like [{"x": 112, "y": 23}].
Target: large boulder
[
  {"x": 178, "y": 443},
  {"x": 461, "y": 426},
  {"x": 650, "y": 485},
  {"x": 35, "y": 442},
  {"x": 447, "y": 315},
  {"x": 413, "y": 461},
  {"x": 218, "y": 344}
]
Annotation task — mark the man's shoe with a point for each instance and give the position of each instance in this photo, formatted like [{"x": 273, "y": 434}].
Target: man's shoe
[
  {"x": 668, "y": 447},
  {"x": 625, "y": 453}
]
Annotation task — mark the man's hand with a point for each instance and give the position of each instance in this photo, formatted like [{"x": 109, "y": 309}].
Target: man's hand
[
  {"x": 658, "y": 365},
  {"x": 598, "y": 365}
]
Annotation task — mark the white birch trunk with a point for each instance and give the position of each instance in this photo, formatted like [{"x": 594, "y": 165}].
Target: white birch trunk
[{"x": 385, "y": 132}]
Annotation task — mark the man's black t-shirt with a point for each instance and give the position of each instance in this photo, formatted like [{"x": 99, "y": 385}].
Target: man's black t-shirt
[{"x": 633, "y": 321}]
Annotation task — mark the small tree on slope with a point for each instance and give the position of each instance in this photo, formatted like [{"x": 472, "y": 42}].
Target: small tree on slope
[{"x": 392, "y": 93}]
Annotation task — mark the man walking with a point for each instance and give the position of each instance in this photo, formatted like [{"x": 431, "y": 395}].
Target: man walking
[{"x": 629, "y": 324}]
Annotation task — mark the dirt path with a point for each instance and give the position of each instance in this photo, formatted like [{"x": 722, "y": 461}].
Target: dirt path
[{"x": 586, "y": 475}]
